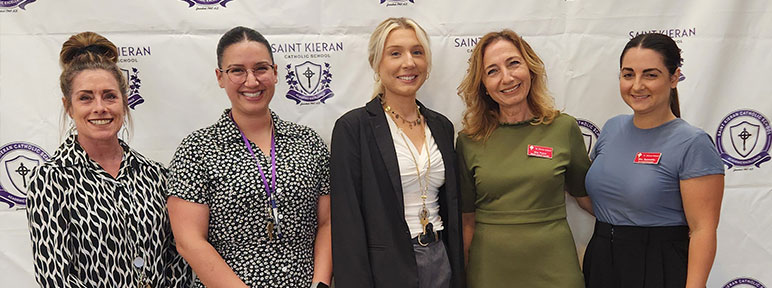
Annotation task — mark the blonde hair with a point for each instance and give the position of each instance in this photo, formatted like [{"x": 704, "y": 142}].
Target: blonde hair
[
  {"x": 89, "y": 51},
  {"x": 481, "y": 116},
  {"x": 378, "y": 41}
]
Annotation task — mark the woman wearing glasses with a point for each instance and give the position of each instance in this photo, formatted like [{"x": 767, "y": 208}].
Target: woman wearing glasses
[{"x": 249, "y": 200}]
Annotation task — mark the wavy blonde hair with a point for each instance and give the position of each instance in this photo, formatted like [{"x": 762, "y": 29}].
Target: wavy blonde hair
[
  {"x": 481, "y": 116},
  {"x": 378, "y": 41}
]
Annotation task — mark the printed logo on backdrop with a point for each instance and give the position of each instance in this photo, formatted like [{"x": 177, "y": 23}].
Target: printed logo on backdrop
[
  {"x": 133, "y": 54},
  {"x": 743, "y": 139},
  {"x": 392, "y": 3},
  {"x": 12, "y": 6},
  {"x": 466, "y": 43},
  {"x": 17, "y": 159},
  {"x": 743, "y": 283},
  {"x": 678, "y": 35},
  {"x": 206, "y": 4},
  {"x": 590, "y": 133},
  {"x": 309, "y": 71}
]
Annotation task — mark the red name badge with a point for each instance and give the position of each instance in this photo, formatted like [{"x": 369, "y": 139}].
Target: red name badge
[
  {"x": 647, "y": 158},
  {"x": 540, "y": 151}
]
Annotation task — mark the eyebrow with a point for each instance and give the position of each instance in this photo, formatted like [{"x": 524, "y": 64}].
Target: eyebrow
[
  {"x": 644, "y": 70},
  {"x": 507, "y": 60},
  {"x": 256, "y": 64}
]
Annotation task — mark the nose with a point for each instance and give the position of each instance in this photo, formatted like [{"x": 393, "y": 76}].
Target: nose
[
  {"x": 637, "y": 83},
  {"x": 99, "y": 105},
  {"x": 509, "y": 75},
  {"x": 252, "y": 80},
  {"x": 409, "y": 61}
]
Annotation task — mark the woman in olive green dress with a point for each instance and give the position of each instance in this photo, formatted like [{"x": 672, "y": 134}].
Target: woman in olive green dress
[{"x": 518, "y": 155}]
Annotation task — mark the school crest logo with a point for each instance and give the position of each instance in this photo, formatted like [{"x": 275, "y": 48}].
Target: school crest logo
[
  {"x": 590, "y": 133},
  {"x": 743, "y": 139},
  {"x": 10, "y": 4},
  {"x": 309, "y": 82},
  {"x": 134, "y": 83},
  {"x": 744, "y": 282},
  {"x": 17, "y": 159},
  {"x": 390, "y": 3},
  {"x": 192, "y": 3}
]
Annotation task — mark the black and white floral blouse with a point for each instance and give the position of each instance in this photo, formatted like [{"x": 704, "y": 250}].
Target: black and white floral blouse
[
  {"x": 87, "y": 227},
  {"x": 212, "y": 166}
]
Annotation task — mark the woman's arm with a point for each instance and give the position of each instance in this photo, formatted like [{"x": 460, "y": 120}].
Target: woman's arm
[
  {"x": 468, "y": 230},
  {"x": 190, "y": 225},
  {"x": 349, "y": 239},
  {"x": 585, "y": 203},
  {"x": 44, "y": 211},
  {"x": 702, "y": 205},
  {"x": 322, "y": 245}
]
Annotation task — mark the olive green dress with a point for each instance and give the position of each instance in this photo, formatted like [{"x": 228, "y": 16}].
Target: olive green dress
[{"x": 521, "y": 237}]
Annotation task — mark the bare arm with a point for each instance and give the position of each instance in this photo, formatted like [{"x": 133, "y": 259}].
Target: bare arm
[
  {"x": 702, "y": 205},
  {"x": 585, "y": 203},
  {"x": 468, "y": 225},
  {"x": 190, "y": 225},
  {"x": 322, "y": 245}
]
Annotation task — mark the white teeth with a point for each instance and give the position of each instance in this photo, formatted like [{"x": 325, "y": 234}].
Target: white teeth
[
  {"x": 252, "y": 95},
  {"x": 640, "y": 97},
  {"x": 407, "y": 78},
  {"x": 511, "y": 89},
  {"x": 100, "y": 122}
]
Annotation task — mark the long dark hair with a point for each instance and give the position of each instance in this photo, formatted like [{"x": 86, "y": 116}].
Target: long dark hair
[{"x": 671, "y": 55}]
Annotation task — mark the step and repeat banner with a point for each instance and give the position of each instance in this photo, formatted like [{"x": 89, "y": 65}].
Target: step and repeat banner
[{"x": 167, "y": 52}]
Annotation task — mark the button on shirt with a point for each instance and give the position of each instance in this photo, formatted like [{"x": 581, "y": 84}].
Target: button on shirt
[{"x": 212, "y": 166}]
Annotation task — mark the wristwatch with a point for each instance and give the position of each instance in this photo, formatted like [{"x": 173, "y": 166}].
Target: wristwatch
[{"x": 319, "y": 285}]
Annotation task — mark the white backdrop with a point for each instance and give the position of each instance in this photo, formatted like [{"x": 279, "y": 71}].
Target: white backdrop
[{"x": 168, "y": 50}]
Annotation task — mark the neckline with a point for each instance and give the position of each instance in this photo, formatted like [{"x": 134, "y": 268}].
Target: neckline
[{"x": 519, "y": 123}]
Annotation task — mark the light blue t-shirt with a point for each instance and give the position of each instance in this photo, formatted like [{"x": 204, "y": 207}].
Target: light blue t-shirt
[{"x": 628, "y": 193}]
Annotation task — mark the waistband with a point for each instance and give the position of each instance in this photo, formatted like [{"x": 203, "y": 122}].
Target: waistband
[
  {"x": 622, "y": 232},
  {"x": 437, "y": 238},
  {"x": 521, "y": 216}
]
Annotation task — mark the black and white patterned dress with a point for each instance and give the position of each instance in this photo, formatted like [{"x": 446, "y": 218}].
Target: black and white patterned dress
[
  {"x": 87, "y": 227},
  {"x": 212, "y": 166}
]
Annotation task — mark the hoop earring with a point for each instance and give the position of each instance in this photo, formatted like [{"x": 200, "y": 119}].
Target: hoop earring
[{"x": 72, "y": 130}]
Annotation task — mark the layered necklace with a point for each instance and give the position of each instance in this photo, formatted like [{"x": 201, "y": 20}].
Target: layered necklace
[{"x": 423, "y": 182}]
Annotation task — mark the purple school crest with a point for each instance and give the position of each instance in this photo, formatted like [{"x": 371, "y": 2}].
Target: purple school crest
[
  {"x": 743, "y": 139},
  {"x": 134, "y": 84},
  {"x": 744, "y": 282},
  {"x": 14, "y": 3},
  {"x": 192, "y": 3},
  {"x": 18, "y": 159},
  {"x": 590, "y": 133},
  {"x": 309, "y": 82}
]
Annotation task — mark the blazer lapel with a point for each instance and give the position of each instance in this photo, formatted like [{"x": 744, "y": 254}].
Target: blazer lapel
[
  {"x": 386, "y": 146},
  {"x": 438, "y": 132}
]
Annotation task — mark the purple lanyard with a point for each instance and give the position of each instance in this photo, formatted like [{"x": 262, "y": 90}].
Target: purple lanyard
[{"x": 268, "y": 189}]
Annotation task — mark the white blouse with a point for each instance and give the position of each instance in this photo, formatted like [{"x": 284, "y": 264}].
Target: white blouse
[{"x": 411, "y": 188}]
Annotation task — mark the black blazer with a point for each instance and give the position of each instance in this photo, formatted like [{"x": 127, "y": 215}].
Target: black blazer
[{"x": 371, "y": 244}]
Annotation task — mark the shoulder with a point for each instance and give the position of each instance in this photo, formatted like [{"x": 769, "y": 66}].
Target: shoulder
[
  {"x": 353, "y": 116},
  {"x": 564, "y": 120},
  {"x": 147, "y": 162},
  {"x": 298, "y": 131},
  {"x": 431, "y": 114}
]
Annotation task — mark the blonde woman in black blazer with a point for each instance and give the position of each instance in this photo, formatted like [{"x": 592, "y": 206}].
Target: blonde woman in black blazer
[{"x": 374, "y": 239}]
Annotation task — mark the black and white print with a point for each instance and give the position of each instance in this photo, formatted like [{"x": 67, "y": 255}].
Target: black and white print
[
  {"x": 87, "y": 227},
  {"x": 212, "y": 166}
]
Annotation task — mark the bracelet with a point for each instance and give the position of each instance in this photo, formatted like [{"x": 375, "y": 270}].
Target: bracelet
[{"x": 319, "y": 285}]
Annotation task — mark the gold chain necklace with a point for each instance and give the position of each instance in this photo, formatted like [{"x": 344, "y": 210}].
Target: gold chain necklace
[
  {"x": 410, "y": 124},
  {"x": 423, "y": 214}
]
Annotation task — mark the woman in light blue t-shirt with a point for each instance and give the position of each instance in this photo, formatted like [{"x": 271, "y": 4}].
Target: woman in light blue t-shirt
[{"x": 656, "y": 182}]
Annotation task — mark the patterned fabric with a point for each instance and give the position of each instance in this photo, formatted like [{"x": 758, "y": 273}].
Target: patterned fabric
[
  {"x": 212, "y": 166},
  {"x": 87, "y": 227}
]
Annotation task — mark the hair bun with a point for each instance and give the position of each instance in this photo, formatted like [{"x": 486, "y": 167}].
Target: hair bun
[{"x": 87, "y": 47}]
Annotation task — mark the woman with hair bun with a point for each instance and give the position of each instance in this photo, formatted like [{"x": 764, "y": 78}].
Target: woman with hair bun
[{"x": 97, "y": 210}]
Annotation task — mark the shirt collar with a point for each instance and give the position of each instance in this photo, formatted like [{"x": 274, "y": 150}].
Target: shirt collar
[{"x": 230, "y": 132}]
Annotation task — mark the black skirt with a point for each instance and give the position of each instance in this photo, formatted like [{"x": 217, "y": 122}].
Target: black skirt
[{"x": 636, "y": 257}]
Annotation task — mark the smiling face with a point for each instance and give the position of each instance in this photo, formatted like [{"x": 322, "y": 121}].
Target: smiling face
[
  {"x": 505, "y": 75},
  {"x": 97, "y": 106},
  {"x": 645, "y": 83},
  {"x": 252, "y": 96},
  {"x": 403, "y": 65}
]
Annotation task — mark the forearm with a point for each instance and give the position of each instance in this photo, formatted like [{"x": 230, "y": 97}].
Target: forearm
[
  {"x": 468, "y": 231},
  {"x": 323, "y": 255},
  {"x": 208, "y": 265},
  {"x": 702, "y": 251},
  {"x": 585, "y": 203}
]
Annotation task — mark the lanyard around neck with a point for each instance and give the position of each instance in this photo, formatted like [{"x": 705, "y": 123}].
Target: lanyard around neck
[{"x": 268, "y": 189}]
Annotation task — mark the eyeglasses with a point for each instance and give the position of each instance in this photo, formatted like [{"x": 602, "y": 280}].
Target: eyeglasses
[{"x": 238, "y": 75}]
